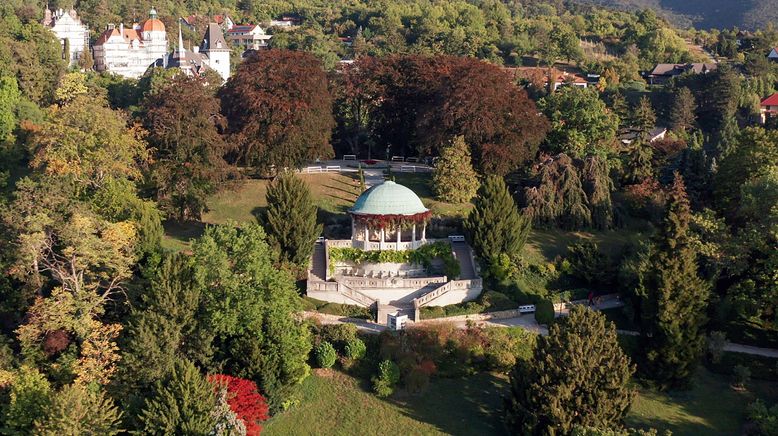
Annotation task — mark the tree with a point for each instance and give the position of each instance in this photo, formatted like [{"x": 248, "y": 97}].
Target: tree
[
  {"x": 598, "y": 186},
  {"x": 290, "y": 219},
  {"x": 66, "y": 51},
  {"x": 188, "y": 159},
  {"x": 77, "y": 410},
  {"x": 251, "y": 307},
  {"x": 579, "y": 376},
  {"x": 639, "y": 165},
  {"x": 87, "y": 143},
  {"x": 495, "y": 226},
  {"x": 454, "y": 179},
  {"x": 28, "y": 400},
  {"x": 181, "y": 403},
  {"x": 279, "y": 109},
  {"x": 325, "y": 355},
  {"x": 244, "y": 400},
  {"x": 574, "y": 210},
  {"x": 682, "y": 114},
  {"x": 71, "y": 86},
  {"x": 581, "y": 124},
  {"x": 85, "y": 60},
  {"x": 9, "y": 98},
  {"x": 643, "y": 115},
  {"x": 480, "y": 102},
  {"x": 672, "y": 298}
]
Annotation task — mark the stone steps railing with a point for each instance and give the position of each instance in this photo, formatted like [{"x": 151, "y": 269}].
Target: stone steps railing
[
  {"x": 355, "y": 295},
  {"x": 448, "y": 287}
]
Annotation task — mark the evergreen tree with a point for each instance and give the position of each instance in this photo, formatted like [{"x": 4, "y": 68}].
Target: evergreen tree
[
  {"x": 454, "y": 180},
  {"x": 578, "y": 377},
  {"x": 575, "y": 212},
  {"x": 620, "y": 107},
  {"x": 78, "y": 410},
  {"x": 290, "y": 219},
  {"x": 598, "y": 186},
  {"x": 643, "y": 115},
  {"x": 673, "y": 298},
  {"x": 66, "y": 52},
  {"x": 182, "y": 403},
  {"x": 638, "y": 166},
  {"x": 495, "y": 226},
  {"x": 86, "y": 61},
  {"x": 682, "y": 114}
]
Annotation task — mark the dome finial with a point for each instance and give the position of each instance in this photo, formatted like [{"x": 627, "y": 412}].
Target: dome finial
[{"x": 153, "y": 13}]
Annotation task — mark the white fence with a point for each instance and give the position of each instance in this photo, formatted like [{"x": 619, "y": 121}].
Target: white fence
[{"x": 322, "y": 169}]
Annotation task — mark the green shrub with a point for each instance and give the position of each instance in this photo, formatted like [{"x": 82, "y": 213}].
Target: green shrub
[
  {"x": 589, "y": 265},
  {"x": 347, "y": 310},
  {"x": 424, "y": 256},
  {"x": 490, "y": 301},
  {"x": 765, "y": 419},
  {"x": 355, "y": 349},
  {"x": 388, "y": 376},
  {"x": 741, "y": 376},
  {"x": 325, "y": 355},
  {"x": 544, "y": 312},
  {"x": 339, "y": 334}
]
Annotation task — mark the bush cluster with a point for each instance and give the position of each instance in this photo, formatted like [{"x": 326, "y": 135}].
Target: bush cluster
[
  {"x": 325, "y": 355},
  {"x": 421, "y": 256},
  {"x": 490, "y": 301},
  {"x": 388, "y": 376}
]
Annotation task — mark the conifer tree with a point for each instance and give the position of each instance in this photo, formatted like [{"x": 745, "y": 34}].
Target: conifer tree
[
  {"x": 638, "y": 165},
  {"x": 598, "y": 185},
  {"x": 620, "y": 107},
  {"x": 682, "y": 114},
  {"x": 578, "y": 377},
  {"x": 290, "y": 219},
  {"x": 643, "y": 115},
  {"x": 66, "y": 52},
  {"x": 182, "y": 403},
  {"x": 78, "y": 410},
  {"x": 673, "y": 298},
  {"x": 495, "y": 226},
  {"x": 454, "y": 180},
  {"x": 575, "y": 212}
]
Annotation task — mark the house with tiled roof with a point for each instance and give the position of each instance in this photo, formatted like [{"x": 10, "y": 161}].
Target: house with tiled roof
[
  {"x": 768, "y": 108},
  {"x": 248, "y": 36},
  {"x": 67, "y": 26},
  {"x": 213, "y": 53},
  {"x": 540, "y": 77},
  {"x": 664, "y": 72},
  {"x": 129, "y": 52}
]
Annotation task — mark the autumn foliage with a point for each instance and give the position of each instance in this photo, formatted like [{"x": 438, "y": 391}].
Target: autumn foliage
[
  {"x": 245, "y": 400},
  {"x": 279, "y": 109},
  {"x": 424, "y": 102}
]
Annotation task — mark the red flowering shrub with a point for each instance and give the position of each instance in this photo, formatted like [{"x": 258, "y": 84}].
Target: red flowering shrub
[{"x": 244, "y": 399}]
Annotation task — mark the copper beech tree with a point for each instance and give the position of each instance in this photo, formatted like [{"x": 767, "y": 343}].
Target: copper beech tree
[{"x": 279, "y": 110}]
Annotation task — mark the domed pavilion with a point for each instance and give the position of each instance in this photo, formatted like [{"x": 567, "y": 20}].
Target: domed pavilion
[{"x": 388, "y": 217}]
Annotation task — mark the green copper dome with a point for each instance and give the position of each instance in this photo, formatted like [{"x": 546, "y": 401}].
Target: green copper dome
[{"x": 388, "y": 198}]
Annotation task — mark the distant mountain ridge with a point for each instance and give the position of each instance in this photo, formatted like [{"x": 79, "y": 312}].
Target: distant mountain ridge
[{"x": 705, "y": 14}]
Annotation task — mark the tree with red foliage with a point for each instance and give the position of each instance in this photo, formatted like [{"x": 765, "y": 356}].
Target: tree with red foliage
[
  {"x": 480, "y": 102},
  {"x": 279, "y": 109},
  {"x": 426, "y": 101},
  {"x": 244, "y": 400}
]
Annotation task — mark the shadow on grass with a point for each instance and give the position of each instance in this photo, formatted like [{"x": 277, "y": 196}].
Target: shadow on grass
[
  {"x": 259, "y": 212},
  {"x": 184, "y": 231},
  {"x": 462, "y": 406}
]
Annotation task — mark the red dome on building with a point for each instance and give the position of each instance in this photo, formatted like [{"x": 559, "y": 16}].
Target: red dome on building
[{"x": 153, "y": 24}]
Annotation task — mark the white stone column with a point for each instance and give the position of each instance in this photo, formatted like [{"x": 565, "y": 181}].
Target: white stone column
[
  {"x": 353, "y": 233},
  {"x": 383, "y": 237},
  {"x": 413, "y": 236},
  {"x": 399, "y": 236},
  {"x": 366, "y": 243},
  {"x": 424, "y": 232}
]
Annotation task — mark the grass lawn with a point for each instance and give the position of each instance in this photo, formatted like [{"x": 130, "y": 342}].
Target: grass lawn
[
  {"x": 421, "y": 184},
  {"x": 244, "y": 200},
  {"x": 711, "y": 407},
  {"x": 546, "y": 244},
  {"x": 336, "y": 404}
]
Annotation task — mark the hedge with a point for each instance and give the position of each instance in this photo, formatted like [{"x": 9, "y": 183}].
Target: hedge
[{"x": 421, "y": 256}]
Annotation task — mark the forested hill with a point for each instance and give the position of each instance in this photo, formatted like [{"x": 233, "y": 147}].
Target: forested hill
[{"x": 705, "y": 14}]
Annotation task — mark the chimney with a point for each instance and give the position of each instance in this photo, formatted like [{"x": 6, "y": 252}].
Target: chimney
[
  {"x": 121, "y": 29},
  {"x": 196, "y": 49}
]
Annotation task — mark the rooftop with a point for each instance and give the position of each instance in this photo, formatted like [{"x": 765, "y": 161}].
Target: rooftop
[{"x": 388, "y": 198}]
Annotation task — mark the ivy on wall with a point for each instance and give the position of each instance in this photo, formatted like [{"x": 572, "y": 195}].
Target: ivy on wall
[{"x": 421, "y": 256}]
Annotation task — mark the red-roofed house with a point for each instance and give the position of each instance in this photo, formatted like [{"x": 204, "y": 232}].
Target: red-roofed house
[
  {"x": 248, "y": 36},
  {"x": 768, "y": 107}
]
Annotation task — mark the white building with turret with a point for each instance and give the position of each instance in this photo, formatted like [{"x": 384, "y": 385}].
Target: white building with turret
[
  {"x": 129, "y": 52},
  {"x": 68, "y": 27},
  {"x": 213, "y": 53}
]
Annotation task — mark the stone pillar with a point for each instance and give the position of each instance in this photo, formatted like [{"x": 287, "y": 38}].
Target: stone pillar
[
  {"x": 353, "y": 233},
  {"x": 383, "y": 238},
  {"x": 367, "y": 237},
  {"x": 413, "y": 236},
  {"x": 424, "y": 232},
  {"x": 399, "y": 236}
]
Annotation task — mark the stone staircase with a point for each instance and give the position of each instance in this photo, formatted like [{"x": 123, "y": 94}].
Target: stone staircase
[
  {"x": 402, "y": 309},
  {"x": 462, "y": 254},
  {"x": 319, "y": 262}
]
